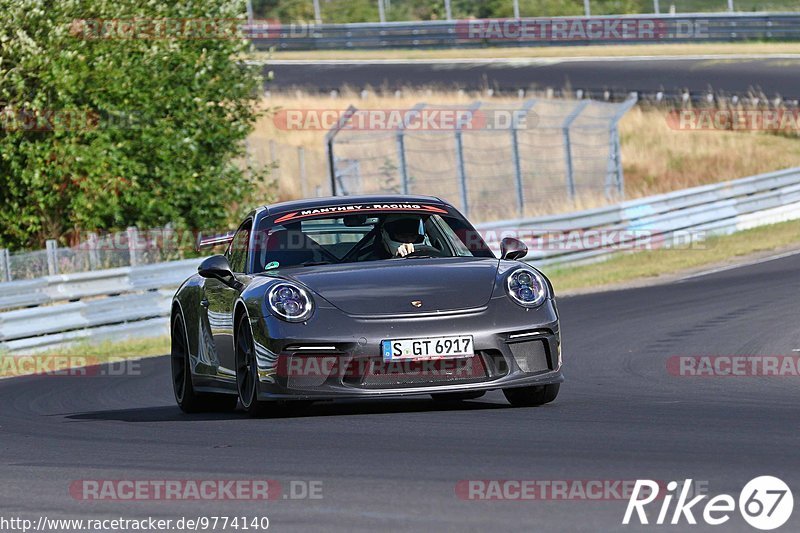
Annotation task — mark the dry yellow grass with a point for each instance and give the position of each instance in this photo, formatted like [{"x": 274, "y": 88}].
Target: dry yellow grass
[{"x": 655, "y": 158}]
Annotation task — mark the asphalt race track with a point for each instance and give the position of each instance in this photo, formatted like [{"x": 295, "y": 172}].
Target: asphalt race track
[
  {"x": 774, "y": 76},
  {"x": 620, "y": 416}
]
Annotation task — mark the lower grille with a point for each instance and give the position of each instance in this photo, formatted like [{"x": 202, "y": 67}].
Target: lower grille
[
  {"x": 531, "y": 356},
  {"x": 383, "y": 375}
]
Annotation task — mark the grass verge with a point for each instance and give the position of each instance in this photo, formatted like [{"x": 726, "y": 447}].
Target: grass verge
[
  {"x": 628, "y": 269},
  {"x": 621, "y": 50},
  {"x": 65, "y": 361}
]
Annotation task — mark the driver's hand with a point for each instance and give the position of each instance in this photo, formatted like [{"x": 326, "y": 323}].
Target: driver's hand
[{"x": 405, "y": 249}]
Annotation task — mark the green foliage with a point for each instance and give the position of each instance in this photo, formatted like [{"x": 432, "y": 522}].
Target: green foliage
[{"x": 167, "y": 118}]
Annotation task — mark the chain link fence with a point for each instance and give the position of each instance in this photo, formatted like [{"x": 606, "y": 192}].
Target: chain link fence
[
  {"x": 114, "y": 250},
  {"x": 493, "y": 161}
]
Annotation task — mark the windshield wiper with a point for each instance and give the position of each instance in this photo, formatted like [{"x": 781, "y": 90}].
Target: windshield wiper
[{"x": 315, "y": 263}]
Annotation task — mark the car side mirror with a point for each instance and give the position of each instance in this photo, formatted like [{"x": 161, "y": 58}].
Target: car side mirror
[
  {"x": 511, "y": 248},
  {"x": 217, "y": 267}
]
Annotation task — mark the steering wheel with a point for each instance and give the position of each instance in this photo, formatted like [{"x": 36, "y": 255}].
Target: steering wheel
[{"x": 422, "y": 250}]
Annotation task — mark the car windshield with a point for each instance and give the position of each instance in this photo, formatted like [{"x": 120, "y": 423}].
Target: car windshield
[{"x": 353, "y": 238}]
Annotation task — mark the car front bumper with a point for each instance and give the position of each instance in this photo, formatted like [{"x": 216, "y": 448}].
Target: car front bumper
[{"x": 338, "y": 356}]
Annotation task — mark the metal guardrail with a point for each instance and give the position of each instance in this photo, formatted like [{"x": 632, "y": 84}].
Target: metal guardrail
[
  {"x": 134, "y": 301},
  {"x": 503, "y": 32},
  {"x": 55, "y": 310},
  {"x": 664, "y": 219}
]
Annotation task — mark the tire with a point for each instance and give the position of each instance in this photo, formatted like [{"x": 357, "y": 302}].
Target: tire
[
  {"x": 247, "y": 372},
  {"x": 532, "y": 396},
  {"x": 457, "y": 396},
  {"x": 187, "y": 399}
]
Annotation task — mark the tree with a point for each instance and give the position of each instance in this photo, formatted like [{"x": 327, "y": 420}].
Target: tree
[{"x": 107, "y": 124}]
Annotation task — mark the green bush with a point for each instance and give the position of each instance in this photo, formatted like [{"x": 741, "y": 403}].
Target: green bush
[{"x": 160, "y": 126}]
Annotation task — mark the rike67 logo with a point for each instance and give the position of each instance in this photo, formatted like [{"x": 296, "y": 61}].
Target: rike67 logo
[{"x": 765, "y": 503}]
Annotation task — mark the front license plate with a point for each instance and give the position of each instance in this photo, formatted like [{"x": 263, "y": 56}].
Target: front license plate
[{"x": 427, "y": 348}]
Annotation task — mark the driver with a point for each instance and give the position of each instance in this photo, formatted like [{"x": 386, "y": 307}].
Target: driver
[{"x": 400, "y": 233}]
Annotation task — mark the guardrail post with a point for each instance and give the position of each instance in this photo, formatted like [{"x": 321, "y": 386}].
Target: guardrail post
[
  {"x": 94, "y": 253},
  {"x": 5, "y": 265},
  {"x": 568, "y": 146},
  {"x": 656, "y": 8},
  {"x": 51, "y": 247},
  {"x": 587, "y": 8},
  {"x": 301, "y": 163},
  {"x": 133, "y": 245},
  {"x": 447, "y": 10}
]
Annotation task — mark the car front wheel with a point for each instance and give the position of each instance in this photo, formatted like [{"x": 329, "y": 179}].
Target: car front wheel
[
  {"x": 532, "y": 396},
  {"x": 247, "y": 371},
  {"x": 188, "y": 400}
]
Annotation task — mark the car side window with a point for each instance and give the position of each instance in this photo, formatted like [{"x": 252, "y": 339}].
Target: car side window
[{"x": 239, "y": 251}]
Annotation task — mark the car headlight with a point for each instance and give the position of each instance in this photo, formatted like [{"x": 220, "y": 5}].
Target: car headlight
[
  {"x": 290, "y": 302},
  {"x": 526, "y": 287}
]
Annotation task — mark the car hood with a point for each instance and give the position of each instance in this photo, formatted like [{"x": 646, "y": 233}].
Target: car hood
[{"x": 389, "y": 287}]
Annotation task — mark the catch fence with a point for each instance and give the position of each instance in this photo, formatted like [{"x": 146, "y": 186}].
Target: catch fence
[{"x": 493, "y": 161}]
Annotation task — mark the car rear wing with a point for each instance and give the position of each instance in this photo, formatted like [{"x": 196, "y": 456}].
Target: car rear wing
[{"x": 214, "y": 240}]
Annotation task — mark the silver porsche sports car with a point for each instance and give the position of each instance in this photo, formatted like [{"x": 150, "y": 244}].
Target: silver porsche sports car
[{"x": 362, "y": 297}]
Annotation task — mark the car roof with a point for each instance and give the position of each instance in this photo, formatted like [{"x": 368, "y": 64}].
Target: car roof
[{"x": 332, "y": 201}]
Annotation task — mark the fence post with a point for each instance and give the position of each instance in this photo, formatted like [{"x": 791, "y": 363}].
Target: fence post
[
  {"x": 730, "y": 6},
  {"x": 462, "y": 177},
  {"x": 401, "y": 146},
  {"x": 274, "y": 163},
  {"x": 516, "y": 9},
  {"x": 94, "y": 253},
  {"x": 401, "y": 158},
  {"x": 329, "y": 138},
  {"x": 317, "y": 15},
  {"x": 568, "y": 146},
  {"x": 133, "y": 245},
  {"x": 614, "y": 174},
  {"x": 51, "y": 246},
  {"x": 301, "y": 162},
  {"x": 447, "y": 10},
  {"x": 515, "y": 154},
  {"x": 587, "y": 8},
  {"x": 462, "y": 174},
  {"x": 381, "y": 12},
  {"x": 5, "y": 265},
  {"x": 656, "y": 7}
]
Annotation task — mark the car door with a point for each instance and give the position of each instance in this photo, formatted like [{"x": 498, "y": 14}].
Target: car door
[{"x": 220, "y": 300}]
